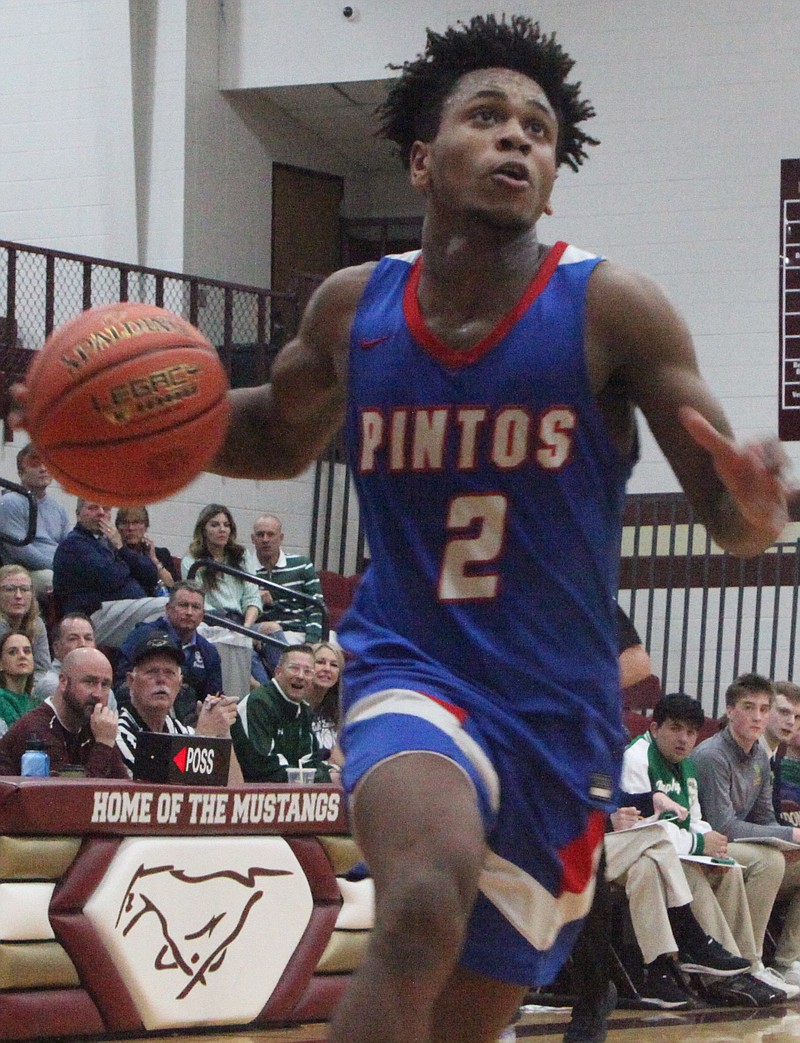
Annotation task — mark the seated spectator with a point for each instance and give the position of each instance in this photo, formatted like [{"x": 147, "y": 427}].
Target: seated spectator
[
  {"x": 94, "y": 573},
  {"x": 788, "y": 783},
  {"x": 214, "y": 537},
  {"x": 665, "y": 912},
  {"x": 19, "y": 611},
  {"x": 657, "y": 769},
  {"x": 16, "y": 679},
  {"x": 783, "y": 723},
  {"x": 132, "y": 524},
  {"x": 153, "y": 684},
  {"x": 733, "y": 773},
  {"x": 300, "y": 622},
  {"x": 201, "y": 667},
  {"x": 277, "y": 722},
  {"x": 72, "y": 631},
  {"x": 52, "y": 523},
  {"x": 75, "y": 724},
  {"x": 324, "y": 698}
]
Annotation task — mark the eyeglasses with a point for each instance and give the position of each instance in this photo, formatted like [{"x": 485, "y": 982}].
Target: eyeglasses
[{"x": 13, "y": 588}]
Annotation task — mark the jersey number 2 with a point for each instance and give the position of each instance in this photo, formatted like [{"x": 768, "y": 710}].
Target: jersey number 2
[{"x": 487, "y": 514}]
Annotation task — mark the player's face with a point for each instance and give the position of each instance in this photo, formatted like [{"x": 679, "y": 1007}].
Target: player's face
[
  {"x": 295, "y": 675},
  {"x": 217, "y": 531},
  {"x": 16, "y": 594},
  {"x": 154, "y": 684},
  {"x": 748, "y": 717},
  {"x": 16, "y": 659},
  {"x": 494, "y": 155},
  {"x": 783, "y": 720},
  {"x": 674, "y": 739},
  {"x": 185, "y": 612}
]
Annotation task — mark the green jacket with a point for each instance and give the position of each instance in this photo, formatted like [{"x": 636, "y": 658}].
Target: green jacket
[
  {"x": 644, "y": 770},
  {"x": 275, "y": 732}
]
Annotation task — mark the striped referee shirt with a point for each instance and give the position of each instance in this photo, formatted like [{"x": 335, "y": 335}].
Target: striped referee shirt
[{"x": 131, "y": 724}]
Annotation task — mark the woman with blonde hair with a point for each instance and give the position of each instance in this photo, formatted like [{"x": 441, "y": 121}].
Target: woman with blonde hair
[
  {"x": 19, "y": 612},
  {"x": 325, "y": 697},
  {"x": 214, "y": 537},
  {"x": 16, "y": 679}
]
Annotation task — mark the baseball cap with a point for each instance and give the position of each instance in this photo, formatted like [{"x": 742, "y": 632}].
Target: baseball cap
[{"x": 157, "y": 644}]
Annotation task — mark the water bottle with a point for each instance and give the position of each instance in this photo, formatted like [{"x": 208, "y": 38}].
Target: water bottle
[{"x": 35, "y": 759}]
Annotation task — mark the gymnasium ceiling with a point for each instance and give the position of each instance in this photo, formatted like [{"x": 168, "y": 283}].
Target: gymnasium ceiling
[{"x": 340, "y": 115}]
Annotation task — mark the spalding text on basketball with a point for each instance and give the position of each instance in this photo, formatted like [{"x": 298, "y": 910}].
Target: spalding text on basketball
[{"x": 99, "y": 341}]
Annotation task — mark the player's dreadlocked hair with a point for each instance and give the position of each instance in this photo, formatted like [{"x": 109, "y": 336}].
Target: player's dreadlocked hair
[{"x": 413, "y": 106}]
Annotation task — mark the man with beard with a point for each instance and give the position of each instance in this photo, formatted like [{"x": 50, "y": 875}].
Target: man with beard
[{"x": 74, "y": 723}]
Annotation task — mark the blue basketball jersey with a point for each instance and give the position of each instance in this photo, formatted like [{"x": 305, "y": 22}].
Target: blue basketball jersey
[{"x": 491, "y": 497}]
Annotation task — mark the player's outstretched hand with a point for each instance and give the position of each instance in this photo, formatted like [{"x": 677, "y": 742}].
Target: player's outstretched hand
[{"x": 754, "y": 473}]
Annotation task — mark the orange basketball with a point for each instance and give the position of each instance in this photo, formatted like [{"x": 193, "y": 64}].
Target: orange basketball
[{"x": 127, "y": 403}]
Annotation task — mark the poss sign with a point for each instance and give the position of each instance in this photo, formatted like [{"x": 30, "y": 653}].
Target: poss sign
[{"x": 185, "y": 760}]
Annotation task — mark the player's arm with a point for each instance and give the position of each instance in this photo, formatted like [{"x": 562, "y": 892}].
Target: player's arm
[
  {"x": 278, "y": 429},
  {"x": 634, "y": 334}
]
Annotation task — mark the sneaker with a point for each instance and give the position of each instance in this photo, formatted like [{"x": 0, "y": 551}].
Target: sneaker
[
  {"x": 777, "y": 981},
  {"x": 591, "y": 1026},
  {"x": 662, "y": 989},
  {"x": 743, "y": 990},
  {"x": 711, "y": 958},
  {"x": 790, "y": 973}
]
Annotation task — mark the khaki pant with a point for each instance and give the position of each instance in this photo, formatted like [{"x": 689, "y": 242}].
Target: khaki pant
[
  {"x": 764, "y": 870},
  {"x": 646, "y": 864},
  {"x": 721, "y": 908}
]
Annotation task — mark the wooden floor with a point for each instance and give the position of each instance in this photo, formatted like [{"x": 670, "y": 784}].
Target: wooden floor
[{"x": 546, "y": 1025}]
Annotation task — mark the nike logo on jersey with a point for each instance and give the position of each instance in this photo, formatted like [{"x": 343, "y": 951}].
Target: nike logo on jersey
[{"x": 370, "y": 342}]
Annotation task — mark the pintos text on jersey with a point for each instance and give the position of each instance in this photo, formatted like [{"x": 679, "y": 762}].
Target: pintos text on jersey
[{"x": 418, "y": 439}]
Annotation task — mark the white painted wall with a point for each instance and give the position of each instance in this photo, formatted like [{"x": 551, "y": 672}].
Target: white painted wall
[
  {"x": 159, "y": 77},
  {"x": 67, "y": 176}
]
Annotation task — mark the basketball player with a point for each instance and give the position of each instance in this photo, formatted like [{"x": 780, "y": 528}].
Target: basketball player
[{"x": 487, "y": 386}]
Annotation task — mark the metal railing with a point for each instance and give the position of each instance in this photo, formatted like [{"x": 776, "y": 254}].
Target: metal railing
[
  {"x": 44, "y": 288},
  {"x": 266, "y": 584}
]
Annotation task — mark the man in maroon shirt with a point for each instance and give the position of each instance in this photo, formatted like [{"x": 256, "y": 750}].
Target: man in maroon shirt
[{"x": 75, "y": 723}]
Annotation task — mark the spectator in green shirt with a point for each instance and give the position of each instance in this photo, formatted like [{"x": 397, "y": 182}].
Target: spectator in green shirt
[{"x": 16, "y": 678}]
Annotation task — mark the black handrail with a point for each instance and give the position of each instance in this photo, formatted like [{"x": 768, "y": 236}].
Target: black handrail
[
  {"x": 14, "y": 541},
  {"x": 240, "y": 628},
  {"x": 268, "y": 584}
]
